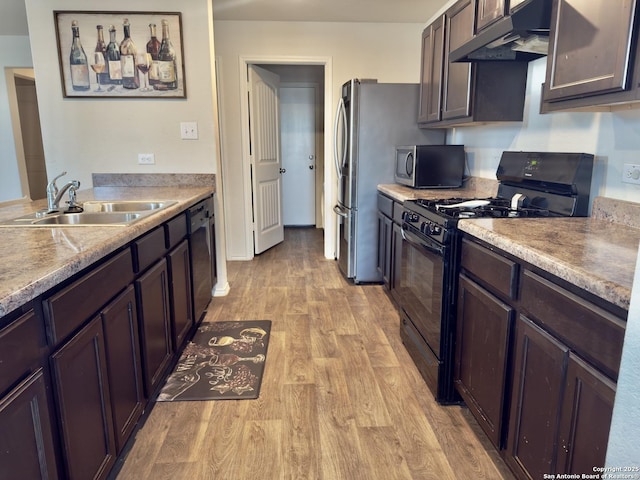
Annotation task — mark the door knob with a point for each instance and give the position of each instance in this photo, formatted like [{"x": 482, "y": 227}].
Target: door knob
[
  {"x": 283, "y": 170},
  {"x": 310, "y": 167}
]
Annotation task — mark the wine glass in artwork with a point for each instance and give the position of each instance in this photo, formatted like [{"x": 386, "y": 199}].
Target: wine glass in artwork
[
  {"x": 143, "y": 63},
  {"x": 98, "y": 66}
]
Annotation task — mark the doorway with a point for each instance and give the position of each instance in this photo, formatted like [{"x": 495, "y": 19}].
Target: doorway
[
  {"x": 302, "y": 137},
  {"x": 25, "y": 117}
]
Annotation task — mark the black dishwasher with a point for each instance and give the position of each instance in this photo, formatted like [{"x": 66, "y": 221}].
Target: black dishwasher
[{"x": 202, "y": 248}]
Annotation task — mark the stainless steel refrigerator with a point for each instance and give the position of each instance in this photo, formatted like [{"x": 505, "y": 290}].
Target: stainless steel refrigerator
[{"x": 371, "y": 119}]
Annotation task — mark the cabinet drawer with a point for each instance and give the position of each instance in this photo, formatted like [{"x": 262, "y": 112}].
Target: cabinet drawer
[
  {"x": 175, "y": 230},
  {"x": 148, "y": 249},
  {"x": 398, "y": 210},
  {"x": 497, "y": 272},
  {"x": 21, "y": 344},
  {"x": 587, "y": 329},
  {"x": 69, "y": 308},
  {"x": 385, "y": 205}
]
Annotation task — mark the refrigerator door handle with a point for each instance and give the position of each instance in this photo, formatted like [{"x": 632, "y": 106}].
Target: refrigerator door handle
[
  {"x": 340, "y": 114},
  {"x": 340, "y": 211}
]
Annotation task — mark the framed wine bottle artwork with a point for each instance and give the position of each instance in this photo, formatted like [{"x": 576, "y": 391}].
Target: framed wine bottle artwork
[{"x": 120, "y": 54}]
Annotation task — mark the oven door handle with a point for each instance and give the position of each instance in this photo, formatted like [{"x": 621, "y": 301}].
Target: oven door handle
[{"x": 421, "y": 243}]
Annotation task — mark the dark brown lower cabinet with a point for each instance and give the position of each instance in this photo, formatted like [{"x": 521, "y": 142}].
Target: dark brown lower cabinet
[
  {"x": 561, "y": 408},
  {"x": 540, "y": 371},
  {"x": 586, "y": 418},
  {"x": 152, "y": 291},
  {"x": 120, "y": 323},
  {"x": 84, "y": 404},
  {"x": 180, "y": 293},
  {"x": 26, "y": 444},
  {"x": 482, "y": 347}
]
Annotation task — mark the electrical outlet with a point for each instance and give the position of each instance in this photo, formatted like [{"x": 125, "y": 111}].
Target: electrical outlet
[
  {"x": 146, "y": 159},
  {"x": 189, "y": 130},
  {"x": 631, "y": 173}
]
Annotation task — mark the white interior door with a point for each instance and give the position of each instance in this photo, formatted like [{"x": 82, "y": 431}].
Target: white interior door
[
  {"x": 298, "y": 141},
  {"x": 264, "y": 121}
]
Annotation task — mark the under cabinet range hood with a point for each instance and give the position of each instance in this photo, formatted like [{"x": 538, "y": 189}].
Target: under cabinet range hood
[{"x": 523, "y": 35}]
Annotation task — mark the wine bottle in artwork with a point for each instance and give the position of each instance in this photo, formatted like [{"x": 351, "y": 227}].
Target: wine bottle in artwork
[
  {"x": 78, "y": 61},
  {"x": 102, "y": 48},
  {"x": 153, "y": 48},
  {"x": 113, "y": 59},
  {"x": 128, "y": 52},
  {"x": 167, "y": 70}
]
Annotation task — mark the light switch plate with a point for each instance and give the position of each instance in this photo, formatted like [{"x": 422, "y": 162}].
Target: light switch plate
[
  {"x": 189, "y": 130},
  {"x": 146, "y": 159}
]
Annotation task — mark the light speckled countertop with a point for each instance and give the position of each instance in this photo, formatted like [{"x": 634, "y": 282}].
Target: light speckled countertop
[
  {"x": 37, "y": 259},
  {"x": 593, "y": 254},
  {"x": 597, "y": 254}
]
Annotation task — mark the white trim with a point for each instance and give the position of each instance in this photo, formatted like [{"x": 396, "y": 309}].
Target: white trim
[{"x": 330, "y": 194}]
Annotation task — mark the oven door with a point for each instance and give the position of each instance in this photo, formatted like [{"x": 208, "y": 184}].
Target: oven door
[{"x": 421, "y": 284}]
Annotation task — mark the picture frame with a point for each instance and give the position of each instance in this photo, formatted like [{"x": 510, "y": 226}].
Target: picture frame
[{"x": 137, "y": 66}]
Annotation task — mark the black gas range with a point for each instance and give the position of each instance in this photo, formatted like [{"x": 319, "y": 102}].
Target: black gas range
[{"x": 531, "y": 184}]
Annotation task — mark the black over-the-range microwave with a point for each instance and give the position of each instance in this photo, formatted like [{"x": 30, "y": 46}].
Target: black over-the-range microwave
[{"x": 430, "y": 166}]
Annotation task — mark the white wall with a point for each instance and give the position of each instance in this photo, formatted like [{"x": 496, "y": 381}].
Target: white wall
[
  {"x": 14, "y": 52},
  {"x": 84, "y": 136},
  {"x": 388, "y": 52},
  {"x": 613, "y": 137}
]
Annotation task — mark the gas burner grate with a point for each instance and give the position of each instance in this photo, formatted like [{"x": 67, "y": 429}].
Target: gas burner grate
[{"x": 495, "y": 208}]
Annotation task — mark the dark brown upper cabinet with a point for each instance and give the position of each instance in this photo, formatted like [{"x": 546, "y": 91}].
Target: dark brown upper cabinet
[
  {"x": 591, "y": 51},
  {"x": 488, "y": 12},
  {"x": 590, "y": 48},
  {"x": 453, "y": 94},
  {"x": 431, "y": 72},
  {"x": 459, "y": 21}
]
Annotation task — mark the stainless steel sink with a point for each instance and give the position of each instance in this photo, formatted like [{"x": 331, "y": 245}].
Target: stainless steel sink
[
  {"x": 96, "y": 213},
  {"x": 124, "y": 206},
  {"x": 89, "y": 219}
]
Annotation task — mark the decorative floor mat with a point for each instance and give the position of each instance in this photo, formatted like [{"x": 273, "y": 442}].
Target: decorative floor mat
[{"x": 223, "y": 361}]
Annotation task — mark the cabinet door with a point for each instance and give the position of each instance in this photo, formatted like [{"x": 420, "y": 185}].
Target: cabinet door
[
  {"x": 483, "y": 329},
  {"x": 120, "y": 323},
  {"x": 489, "y": 11},
  {"x": 585, "y": 419},
  {"x": 180, "y": 293},
  {"x": 539, "y": 377},
  {"x": 384, "y": 256},
  {"x": 152, "y": 290},
  {"x": 432, "y": 71},
  {"x": 26, "y": 443},
  {"x": 84, "y": 406},
  {"x": 457, "y": 76},
  {"x": 396, "y": 259},
  {"x": 590, "y": 48}
]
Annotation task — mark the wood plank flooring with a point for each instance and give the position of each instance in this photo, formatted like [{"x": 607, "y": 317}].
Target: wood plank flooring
[{"x": 340, "y": 397}]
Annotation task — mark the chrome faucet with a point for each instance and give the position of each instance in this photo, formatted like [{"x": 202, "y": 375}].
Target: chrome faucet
[{"x": 54, "y": 195}]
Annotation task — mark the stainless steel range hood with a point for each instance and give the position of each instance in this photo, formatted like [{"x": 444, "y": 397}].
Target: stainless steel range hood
[{"x": 521, "y": 36}]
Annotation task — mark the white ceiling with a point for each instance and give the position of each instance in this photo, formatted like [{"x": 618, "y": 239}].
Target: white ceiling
[{"x": 13, "y": 18}]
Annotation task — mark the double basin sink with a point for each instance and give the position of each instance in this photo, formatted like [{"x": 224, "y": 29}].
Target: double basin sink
[{"x": 95, "y": 213}]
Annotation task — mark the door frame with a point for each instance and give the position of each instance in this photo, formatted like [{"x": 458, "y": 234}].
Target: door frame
[
  {"x": 329, "y": 176},
  {"x": 10, "y": 75}
]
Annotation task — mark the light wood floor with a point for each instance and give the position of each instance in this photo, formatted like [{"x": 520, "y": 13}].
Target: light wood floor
[{"x": 340, "y": 397}]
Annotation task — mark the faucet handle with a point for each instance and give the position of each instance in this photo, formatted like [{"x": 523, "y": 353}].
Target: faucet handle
[{"x": 51, "y": 186}]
